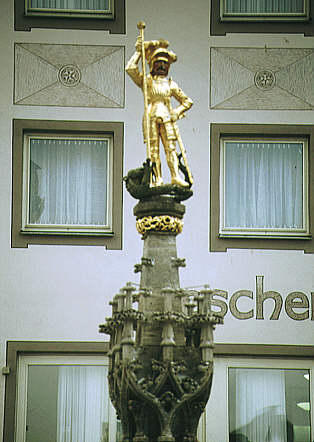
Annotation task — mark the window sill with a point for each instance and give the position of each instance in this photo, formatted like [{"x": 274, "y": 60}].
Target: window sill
[
  {"x": 70, "y": 233},
  {"x": 73, "y": 15},
  {"x": 304, "y": 18},
  {"x": 265, "y": 236}
]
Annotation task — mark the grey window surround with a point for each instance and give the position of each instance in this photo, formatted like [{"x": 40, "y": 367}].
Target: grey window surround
[
  {"x": 16, "y": 348},
  {"x": 222, "y": 244},
  {"x": 261, "y": 26},
  {"x": 115, "y": 25},
  {"x": 111, "y": 240}
]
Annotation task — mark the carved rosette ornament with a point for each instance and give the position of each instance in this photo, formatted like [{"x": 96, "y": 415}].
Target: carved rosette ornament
[
  {"x": 69, "y": 75},
  {"x": 161, "y": 336},
  {"x": 265, "y": 79}
]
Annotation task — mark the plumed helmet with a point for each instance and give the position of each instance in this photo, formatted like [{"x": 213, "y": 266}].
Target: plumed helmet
[{"x": 157, "y": 50}]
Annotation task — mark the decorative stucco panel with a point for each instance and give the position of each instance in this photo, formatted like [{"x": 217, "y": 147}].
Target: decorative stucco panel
[
  {"x": 249, "y": 78},
  {"x": 69, "y": 75}
]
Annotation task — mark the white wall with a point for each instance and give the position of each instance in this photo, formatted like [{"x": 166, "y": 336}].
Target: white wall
[{"x": 62, "y": 292}]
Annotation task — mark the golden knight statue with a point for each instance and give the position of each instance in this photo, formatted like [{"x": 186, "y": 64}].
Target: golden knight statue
[{"x": 159, "y": 120}]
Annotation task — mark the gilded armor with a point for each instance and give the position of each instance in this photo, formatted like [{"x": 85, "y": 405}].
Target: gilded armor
[{"x": 160, "y": 119}]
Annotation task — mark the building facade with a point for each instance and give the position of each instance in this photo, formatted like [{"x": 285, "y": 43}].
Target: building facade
[{"x": 71, "y": 120}]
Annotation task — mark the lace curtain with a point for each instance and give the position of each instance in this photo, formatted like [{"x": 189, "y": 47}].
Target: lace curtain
[
  {"x": 70, "y": 4},
  {"x": 264, "y": 6},
  {"x": 263, "y": 185},
  {"x": 68, "y": 181},
  {"x": 83, "y": 399},
  {"x": 258, "y": 407}
]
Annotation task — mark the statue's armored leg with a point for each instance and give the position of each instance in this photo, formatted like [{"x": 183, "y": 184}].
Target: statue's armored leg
[
  {"x": 173, "y": 164},
  {"x": 155, "y": 159},
  {"x": 168, "y": 137}
]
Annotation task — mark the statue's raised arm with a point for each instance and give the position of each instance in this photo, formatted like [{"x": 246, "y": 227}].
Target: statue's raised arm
[{"x": 159, "y": 120}]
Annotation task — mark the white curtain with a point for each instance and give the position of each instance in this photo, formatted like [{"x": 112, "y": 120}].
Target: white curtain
[
  {"x": 97, "y": 5},
  {"x": 260, "y": 410},
  {"x": 82, "y": 404},
  {"x": 68, "y": 181},
  {"x": 263, "y": 185},
  {"x": 264, "y": 6}
]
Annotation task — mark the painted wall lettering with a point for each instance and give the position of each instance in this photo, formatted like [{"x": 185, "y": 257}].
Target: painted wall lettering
[
  {"x": 214, "y": 302},
  {"x": 261, "y": 297},
  {"x": 297, "y": 305},
  {"x": 297, "y": 300},
  {"x": 233, "y": 304}
]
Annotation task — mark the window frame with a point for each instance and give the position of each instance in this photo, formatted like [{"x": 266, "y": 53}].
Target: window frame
[
  {"x": 263, "y": 232},
  {"x": 272, "y": 365},
  {"x": 20, "y": 237},
  {"x": 27, "y": 226},
  {"x": 260, "y": 25},
  {"x": 25, "y": 361},
  {"x": 257, "y": 356},
  {"x": 218, "y": 131},
  {"x": 115, "y": 22},
  {"x": 37, "y": 348}
]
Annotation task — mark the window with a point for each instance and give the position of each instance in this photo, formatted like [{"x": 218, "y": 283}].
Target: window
[
  {"x": 62, "y": 397},
  {"x": 67, "y": 183},
  {"x": 264, "y": 16},
  {"x": 71, "y": 182},
  {"x": 82, "y": 8},
  {"x": 70, "y": 14},
  {"x": 265, "y": 9},
  {"x": 261, "y": 399},
  {"x": 264, "y": 187},
  {"x": 260, "y": 187},
  {"x": 269, "y": 403}
]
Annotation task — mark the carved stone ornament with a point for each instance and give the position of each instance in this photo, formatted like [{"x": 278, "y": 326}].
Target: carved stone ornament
[
  {"x": 265, "y": 79},
  {"x": 138, "y": 185},
  {"x": 161, "y": 353},
  {"x": 232, "y": 72},
  {"x": 69, "y": 75}
]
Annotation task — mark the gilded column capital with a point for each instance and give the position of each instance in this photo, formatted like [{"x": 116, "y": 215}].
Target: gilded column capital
[{"x": 162, "y": 223}]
